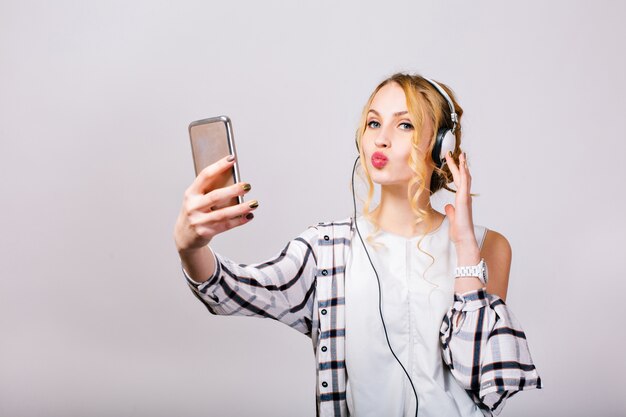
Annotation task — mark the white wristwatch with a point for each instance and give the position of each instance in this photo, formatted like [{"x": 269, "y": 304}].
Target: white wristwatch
[{"x": 479, "y": 271}]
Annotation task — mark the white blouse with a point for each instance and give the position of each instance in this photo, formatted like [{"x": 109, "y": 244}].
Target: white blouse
[{"x": 415, "y": 297}]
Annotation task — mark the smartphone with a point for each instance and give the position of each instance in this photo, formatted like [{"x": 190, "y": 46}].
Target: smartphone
[{"x": 211, "y": 140}]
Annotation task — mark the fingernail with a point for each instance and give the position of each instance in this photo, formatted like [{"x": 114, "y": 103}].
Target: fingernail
[
  {"x": 254, "y": 204},
  {"x": 450, "y": 154},
  {"x": 230, "y": 158},
  {"x": 250, "y": 216},
  {"x": 247, "y": 187}
]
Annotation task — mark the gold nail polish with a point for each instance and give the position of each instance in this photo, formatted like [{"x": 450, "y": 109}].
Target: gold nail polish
[
  {"x": 247, "y": 187},
  {"x": 254, "y": 204}
]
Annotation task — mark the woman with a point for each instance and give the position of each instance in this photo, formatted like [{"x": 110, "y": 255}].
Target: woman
[{"x": 397, "y": 330}]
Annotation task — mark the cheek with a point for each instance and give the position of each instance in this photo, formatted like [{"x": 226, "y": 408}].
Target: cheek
[
  {"x": 404, "y": 157},
  {"x": 404, "y": 153},
  {"x": 367, "y": 144}
]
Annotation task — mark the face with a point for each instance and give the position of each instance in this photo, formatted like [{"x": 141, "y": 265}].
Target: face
[{"x": 388, "y": 135}]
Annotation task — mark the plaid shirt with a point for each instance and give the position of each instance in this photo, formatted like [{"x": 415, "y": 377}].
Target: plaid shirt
[{"x": 303, "y": 287}]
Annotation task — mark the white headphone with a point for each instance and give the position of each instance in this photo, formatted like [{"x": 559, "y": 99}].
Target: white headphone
[{"x": 445, "y": 140}]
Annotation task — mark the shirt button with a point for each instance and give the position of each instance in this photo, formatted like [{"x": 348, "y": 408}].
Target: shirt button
[
  {"x": 326, "y": 237},
  {"x": 323, "y": 311},
  {"x": 324, "y": 384},
  {"x": 324, "y": 272},
  {"x": 324, "y": 348}
]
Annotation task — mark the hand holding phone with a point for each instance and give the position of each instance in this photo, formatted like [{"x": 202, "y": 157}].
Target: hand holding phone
[{"x": 213, "y": 203}]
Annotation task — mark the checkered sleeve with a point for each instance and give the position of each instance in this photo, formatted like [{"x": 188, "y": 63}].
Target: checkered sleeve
[
  {"x": 281, "y": 288},
  {"x": 486, "y": 350}
]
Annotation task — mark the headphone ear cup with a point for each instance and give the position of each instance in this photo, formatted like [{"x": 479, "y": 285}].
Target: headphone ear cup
[
  {"x": 445, "y": 141},
  {"x": 436, "y": 154}
]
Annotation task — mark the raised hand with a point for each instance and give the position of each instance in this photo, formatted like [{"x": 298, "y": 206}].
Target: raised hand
[{"x": 460, "y": 214}]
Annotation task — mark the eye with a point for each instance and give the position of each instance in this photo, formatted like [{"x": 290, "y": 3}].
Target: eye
[
  {"x": 373, "y": 124},
  {"x": 406, "y": 126}
]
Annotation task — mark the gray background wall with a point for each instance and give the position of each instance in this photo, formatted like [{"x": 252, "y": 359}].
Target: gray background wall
[{"x": 95, "y": 99}]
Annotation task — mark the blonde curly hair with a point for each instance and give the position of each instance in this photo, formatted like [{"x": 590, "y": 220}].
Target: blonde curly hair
[{"x": 422, "y": 101}]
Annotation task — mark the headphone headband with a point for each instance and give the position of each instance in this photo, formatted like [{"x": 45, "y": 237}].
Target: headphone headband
[{"x": 445, "y": 95}]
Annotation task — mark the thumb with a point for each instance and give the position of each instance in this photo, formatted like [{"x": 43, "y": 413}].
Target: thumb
[{"x": 450, "y": 212}]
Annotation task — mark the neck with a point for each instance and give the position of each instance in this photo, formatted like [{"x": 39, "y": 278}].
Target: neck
[{"x": 394, "y": 212}]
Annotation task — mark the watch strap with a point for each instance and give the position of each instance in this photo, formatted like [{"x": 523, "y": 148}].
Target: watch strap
[{"x": 478, "y": 271}]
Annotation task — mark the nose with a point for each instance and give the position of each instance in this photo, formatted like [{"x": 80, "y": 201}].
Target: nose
[{"x": 382, "y": 140}]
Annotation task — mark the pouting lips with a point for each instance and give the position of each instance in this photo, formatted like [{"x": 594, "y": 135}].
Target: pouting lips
[{"x": 379, "y": 160}]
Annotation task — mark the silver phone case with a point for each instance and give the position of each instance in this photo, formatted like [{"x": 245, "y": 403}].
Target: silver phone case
[{"x": 212, "y": 139}]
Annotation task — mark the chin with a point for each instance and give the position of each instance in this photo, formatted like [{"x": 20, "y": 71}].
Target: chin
[
  {"x": 385, "y": 176},
  {"x": 385, "y": 180}
]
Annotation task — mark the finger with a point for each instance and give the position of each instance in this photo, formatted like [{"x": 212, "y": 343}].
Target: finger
[
  {"x": 466, "y": 177},
  {"x": 468, "y": 174},
  {"x": 450, "y": 212},
  {"x": 224, "y": 214},
  {"x": 463, "y": 171},
  {"x": 219, "y": 196},
  {"x": 205, "y": 177},
  {"x": 211, "y": 229},
  {"x": 454, "y": 169},
  {"x": 238, "y": 221}
]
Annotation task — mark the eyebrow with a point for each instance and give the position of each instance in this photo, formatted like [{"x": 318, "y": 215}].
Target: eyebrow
[{"x": 396, "y": 114}]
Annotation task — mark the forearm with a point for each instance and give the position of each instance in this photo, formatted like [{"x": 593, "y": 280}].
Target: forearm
[
  {"x": 467, "y": 254},
  {"x": 280, "y": 288},
  {"x": 199, "y": 263}
]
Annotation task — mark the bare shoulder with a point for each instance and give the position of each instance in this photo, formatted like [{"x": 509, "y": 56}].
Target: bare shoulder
[
  {"x": 495, "y": 243},
  {"x": 497, "y": 253}
]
